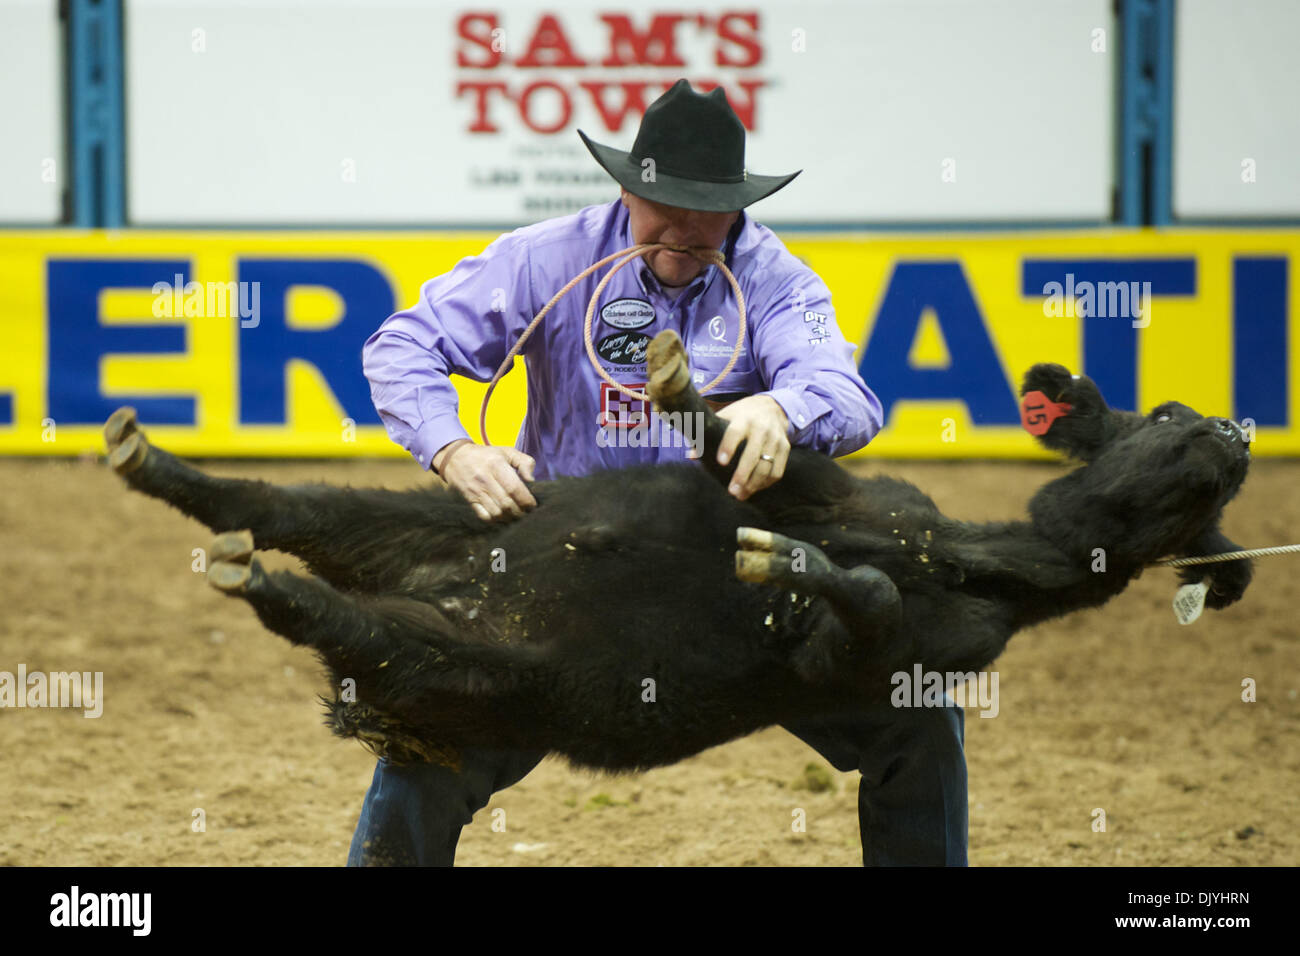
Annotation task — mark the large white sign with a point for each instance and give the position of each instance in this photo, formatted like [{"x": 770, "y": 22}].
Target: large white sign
[
  {"x": 1236, "y": 123},
  {"x": 409, "y": 112},
  {"x": 33, "y": 170}
]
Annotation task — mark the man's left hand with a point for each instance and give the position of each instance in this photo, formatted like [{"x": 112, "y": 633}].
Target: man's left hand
[{"x": 759, "y": 422}]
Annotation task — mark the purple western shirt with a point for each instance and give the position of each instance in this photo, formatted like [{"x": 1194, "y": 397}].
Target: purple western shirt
[{"x": 466, "y": 321}]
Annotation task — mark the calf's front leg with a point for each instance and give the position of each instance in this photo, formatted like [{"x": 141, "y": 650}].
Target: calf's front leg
[
  {"x": 810, "y": 480},
  {"x": 1228, "y": 580}
]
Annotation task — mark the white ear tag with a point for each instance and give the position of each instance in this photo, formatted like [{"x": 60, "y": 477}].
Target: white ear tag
[{"x": 1189, "y": 602}]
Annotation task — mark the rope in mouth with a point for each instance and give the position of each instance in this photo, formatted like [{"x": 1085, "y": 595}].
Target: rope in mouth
[{"x": 704, "y": 254}]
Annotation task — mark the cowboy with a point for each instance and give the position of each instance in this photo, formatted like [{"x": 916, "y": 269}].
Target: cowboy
[{"x": 684, "y": 183}]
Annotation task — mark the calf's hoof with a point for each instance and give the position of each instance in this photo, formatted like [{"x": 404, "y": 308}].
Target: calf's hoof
[
  {"x": 1228, "y": 582},
  {"x": 129, "y": 455},
  {"x": 119, "y": 425},
  {"x": 769, "y": 558},
  {"x": 669, "y": 371},
  {"x": 230, "y": 578},
  {"x": 127, "y": 447},
  {"x": 233, "y": 546},
  {"x": 232, "y": 568}
]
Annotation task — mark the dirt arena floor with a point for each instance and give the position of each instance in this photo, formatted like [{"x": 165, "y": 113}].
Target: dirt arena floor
[{"x": 1121, "y": 709}]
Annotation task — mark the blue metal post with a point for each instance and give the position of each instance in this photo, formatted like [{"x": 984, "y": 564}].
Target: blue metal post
[
  {"x": 1162, "y": 171},
  {"x": 95, "y": 99},
  {"x": 1146, "y": 112}
]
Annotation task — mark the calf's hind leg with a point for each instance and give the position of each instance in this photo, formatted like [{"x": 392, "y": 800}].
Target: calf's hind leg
[{"x": 358, "y": 539}]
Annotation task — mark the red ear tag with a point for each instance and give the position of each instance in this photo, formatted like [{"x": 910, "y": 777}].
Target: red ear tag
[{"x": 1037, "y": 412}]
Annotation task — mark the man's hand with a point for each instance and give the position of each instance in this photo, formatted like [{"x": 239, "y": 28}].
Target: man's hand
[
  {"x": 760, "y": 422},
  {"x": 490, "y": 477}
]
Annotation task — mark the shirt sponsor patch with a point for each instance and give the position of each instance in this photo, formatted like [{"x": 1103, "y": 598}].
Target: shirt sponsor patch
[
  {"x": 628, "y": 313},
  {"x": 624, "y": 348},
  {"x": 621, "y": 411},
  {"x": 711, "y": 349},
  {"x": 817, "y": 332}
]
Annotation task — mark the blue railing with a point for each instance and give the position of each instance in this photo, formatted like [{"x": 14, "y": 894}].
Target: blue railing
[{"x": 97, "y": 133}]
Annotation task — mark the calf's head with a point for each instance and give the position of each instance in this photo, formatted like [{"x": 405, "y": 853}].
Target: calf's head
[{"x": 1151, "y": 485}]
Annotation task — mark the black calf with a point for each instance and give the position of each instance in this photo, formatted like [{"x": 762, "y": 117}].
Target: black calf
[{"x": 637, "y": 617}]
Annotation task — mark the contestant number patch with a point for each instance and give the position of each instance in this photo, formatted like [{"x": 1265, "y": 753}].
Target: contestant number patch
[{"x": 621, "y": 411}]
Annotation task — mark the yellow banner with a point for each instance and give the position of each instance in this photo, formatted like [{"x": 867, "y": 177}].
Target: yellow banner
[{"x": 248, "y": 344}]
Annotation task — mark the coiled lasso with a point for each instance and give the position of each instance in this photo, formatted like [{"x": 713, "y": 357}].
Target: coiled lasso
[{"x": 631, "y": 252}]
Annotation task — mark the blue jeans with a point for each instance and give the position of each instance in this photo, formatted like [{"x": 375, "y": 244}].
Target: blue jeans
[{"x": 911, "y": 800}]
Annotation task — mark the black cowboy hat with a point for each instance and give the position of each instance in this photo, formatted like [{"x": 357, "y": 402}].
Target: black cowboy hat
[{"x": 696, "y": 143}]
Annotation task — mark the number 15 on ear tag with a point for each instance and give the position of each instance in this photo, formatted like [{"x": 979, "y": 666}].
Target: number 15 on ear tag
[{"x": 1189, "y": 602}]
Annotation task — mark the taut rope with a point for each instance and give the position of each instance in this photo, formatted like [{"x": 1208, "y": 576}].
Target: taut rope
[
  {"x": 1229, "y": 556},
  {"x": 632, "y": 252}
]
